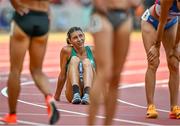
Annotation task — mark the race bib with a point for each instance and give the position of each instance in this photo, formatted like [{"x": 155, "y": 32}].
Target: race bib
[{"x": 146, "y": 15}]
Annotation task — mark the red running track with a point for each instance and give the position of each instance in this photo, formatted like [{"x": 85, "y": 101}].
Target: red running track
[{"x": 131, "y": 105}]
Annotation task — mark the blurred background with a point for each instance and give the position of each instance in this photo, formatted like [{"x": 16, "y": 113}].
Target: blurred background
[{"x": 66, "y": 13}]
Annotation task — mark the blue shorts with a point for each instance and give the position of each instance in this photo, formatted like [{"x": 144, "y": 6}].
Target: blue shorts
[{"x": 149, "y": 18}]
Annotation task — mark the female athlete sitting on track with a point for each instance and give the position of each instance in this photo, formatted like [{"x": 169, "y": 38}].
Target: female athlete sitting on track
[
  {"x": 160, "y": 23},
  {"x": 77, "y": 68},
  {"x": 29, "y": 33}
]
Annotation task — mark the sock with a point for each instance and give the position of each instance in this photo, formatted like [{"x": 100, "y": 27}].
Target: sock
[
  {"x": 75, "y": 89},
  {"x": 86, "y": 90}
]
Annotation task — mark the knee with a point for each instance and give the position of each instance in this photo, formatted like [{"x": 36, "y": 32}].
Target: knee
[
  {"x": 35, "y": 72},
  {"x": 107, "y": 75},
  {"x": 173, "y": 64},
  {"x": 74, "y": 60},
  {"x": 86, "y": 63},
  {"x": 154, "y": 64},
  {"x": 114, "y": 79},
  {"x": 15, "y": 72}
]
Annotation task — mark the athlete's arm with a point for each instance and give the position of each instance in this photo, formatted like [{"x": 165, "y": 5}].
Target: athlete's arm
[
  {"x": 165, "y": 6},
  {"x": 62, "y": 75}
]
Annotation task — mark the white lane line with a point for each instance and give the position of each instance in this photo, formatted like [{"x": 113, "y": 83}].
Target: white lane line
[
  {"x": 38, "y": 114},
  {"x": 140, "y": 85},
  {"x": 126, "y": 72},
  {"x": 31, "y": 123},
  {"x": 54, "y": 61},
  {"x": 4, "y": 92},
  {"x": 20, "y": 122}
]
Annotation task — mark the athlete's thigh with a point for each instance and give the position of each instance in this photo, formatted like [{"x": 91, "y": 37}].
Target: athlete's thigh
[
  {"x": 169, "y": 39},
  {"x": 88, "y": 72},
  {"x": 37, "y": 51},
  {"x": 178, "y": 32},
  {"x": 121, "y": 44},
  {"x": 103, "y": 42},
  {"x": 73, "y": 72},
  {"x": 19, "y": 44},
  {"x": 148, "y": 35}
]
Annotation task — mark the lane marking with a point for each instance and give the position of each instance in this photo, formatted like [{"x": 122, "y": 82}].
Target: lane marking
[
  {"x": 4, "y": 92},
  {"x": 38, "y": 114},
  {"x": 51, "y": 60},
  {"x": 126, "y": 72},
  {"x": 140, "y": 85}
]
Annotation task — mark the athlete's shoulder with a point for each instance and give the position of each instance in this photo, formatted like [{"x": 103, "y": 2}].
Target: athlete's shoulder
[{"x": 66, "y": 49}]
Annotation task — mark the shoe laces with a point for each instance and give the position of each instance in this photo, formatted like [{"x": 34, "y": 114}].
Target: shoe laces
[
  {"x": 76, "y": 96},
  {"x": 85, "y": 97}
]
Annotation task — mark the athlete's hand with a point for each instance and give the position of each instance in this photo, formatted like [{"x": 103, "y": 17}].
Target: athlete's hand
[
  {"x": 153, "y": 53},
  {"x": 56, "y": 98}
]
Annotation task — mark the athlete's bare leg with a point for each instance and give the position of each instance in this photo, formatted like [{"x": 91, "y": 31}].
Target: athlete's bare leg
[
  {"x": 36, "y": 63},
  {"x": 73, "y": 70},
  {"x": 72, "y": 77},
  {"x": 121, "y": 39},
  {"x": 173, "y": 64},
  {"x": 19, "y": 44},
  {"x": 103, "y": 41},
  {"x": 88, "y": 74},
  {"x": 178, "y": 33},
  {"x": 148, "y": 35}
]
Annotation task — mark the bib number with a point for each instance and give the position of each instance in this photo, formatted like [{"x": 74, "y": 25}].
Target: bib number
[{"x": 146, "y": 15}]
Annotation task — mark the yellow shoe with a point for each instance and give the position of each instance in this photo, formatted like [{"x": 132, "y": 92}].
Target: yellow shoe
[
  {"x": 175, "y": 113},
  {"x": 151, "y": 112}
]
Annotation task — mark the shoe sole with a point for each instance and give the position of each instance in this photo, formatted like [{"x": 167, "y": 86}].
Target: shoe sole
[
  {"x": 85, "y": 102},
  {"x": 55, "y": 115},
  {"x": 2, "y": 121},
  {"x": 6, "y": 123},
  {"x": 152, "y": 116},
  {"x": 77, "y": 101},
  {"x": 173, "y": 116}
]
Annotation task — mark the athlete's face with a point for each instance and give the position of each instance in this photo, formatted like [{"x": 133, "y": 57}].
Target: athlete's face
[{"x": 77, "y": 38}]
